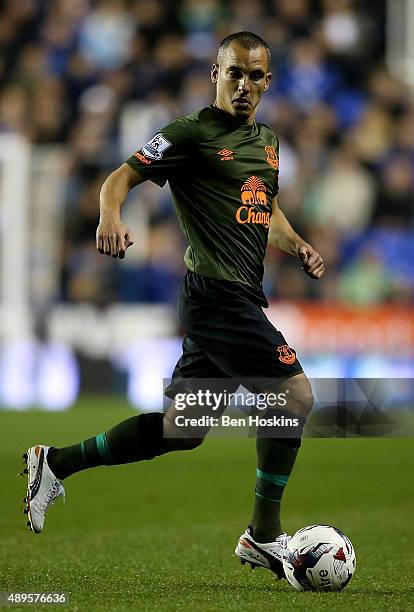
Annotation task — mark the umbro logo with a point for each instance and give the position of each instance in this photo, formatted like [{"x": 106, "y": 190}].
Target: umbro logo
[{"x": 225, "y": 154}]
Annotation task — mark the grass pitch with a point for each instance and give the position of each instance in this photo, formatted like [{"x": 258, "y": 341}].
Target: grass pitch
[{"x": 160, "y": 535}]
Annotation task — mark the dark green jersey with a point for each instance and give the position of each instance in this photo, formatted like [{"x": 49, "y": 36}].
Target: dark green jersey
[{"x": 223, "y": 176}]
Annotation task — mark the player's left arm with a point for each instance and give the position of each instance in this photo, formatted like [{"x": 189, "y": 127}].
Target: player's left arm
[{"x": 283, "y": 236}]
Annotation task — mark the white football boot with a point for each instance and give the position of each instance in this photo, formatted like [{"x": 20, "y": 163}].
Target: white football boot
[
  {"x": 43, "y": 488},
  {"x": 269, "y": 555}
]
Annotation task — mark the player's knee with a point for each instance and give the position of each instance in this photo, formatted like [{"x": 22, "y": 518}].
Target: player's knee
[
  {"x": 176, "y": 439},
  {"x": 305, "y": 400},
  {"x": 301, "y": 399},
  {"x": 181, "y": 444}
]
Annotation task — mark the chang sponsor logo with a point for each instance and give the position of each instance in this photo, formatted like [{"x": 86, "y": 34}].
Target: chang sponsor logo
[{"x": 253, "y": 194}]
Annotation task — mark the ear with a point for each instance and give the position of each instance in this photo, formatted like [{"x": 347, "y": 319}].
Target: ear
[
  {"x": 268, "y": 79},
  {"x": 214, "y": 73}
]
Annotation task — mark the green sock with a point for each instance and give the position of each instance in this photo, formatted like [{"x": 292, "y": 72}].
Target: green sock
[
  {"x": 275, "y": 460},
  {"x": 91, "y": 452},
  {"x": 135, "y": 439}
]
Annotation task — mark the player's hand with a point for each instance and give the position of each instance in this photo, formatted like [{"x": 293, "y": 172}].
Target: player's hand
[
  {"x": 113, "y": 238},
  {"x": 312, "y": 262}
]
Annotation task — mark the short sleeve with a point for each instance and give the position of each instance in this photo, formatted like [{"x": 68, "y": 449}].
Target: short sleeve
[{"x": 165, "y": 155}]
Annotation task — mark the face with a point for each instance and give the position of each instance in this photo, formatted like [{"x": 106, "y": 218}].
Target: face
[{"x": 241, "y": 77}]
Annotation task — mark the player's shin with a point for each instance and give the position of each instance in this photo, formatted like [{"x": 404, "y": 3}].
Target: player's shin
[
  {"x": 135, "y": 439},
  {"x": 275, "y": 460}
]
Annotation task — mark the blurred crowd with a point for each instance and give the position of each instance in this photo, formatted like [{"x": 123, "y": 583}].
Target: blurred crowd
[{"x": 71, "y": 69}]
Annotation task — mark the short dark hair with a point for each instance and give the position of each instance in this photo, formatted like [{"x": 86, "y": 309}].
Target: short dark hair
[{"x": 248, "y": 40}]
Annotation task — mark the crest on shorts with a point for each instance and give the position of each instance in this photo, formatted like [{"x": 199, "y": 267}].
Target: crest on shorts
[
  {"x": 154, "y": 149},
  {"x": 286, "y": 354},
  {"x": 271, "y": 157}
]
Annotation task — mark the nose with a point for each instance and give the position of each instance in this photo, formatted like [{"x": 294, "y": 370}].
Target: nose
[{"x": 243, "y": 86}]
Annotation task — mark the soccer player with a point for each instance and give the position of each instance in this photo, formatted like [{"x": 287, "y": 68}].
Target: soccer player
[{"x": 222, "y": 168}]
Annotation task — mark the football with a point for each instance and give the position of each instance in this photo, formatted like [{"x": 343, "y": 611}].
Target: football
[{"x": 319, "y": 558}]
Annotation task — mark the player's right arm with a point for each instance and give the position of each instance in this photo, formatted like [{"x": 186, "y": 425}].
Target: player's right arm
[
  {"x": 165, "y": 155},
  {"x": 112, "y": 236}
]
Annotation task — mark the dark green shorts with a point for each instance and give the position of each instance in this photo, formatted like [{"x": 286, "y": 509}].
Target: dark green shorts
[{"x": 227, "y": 335}]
